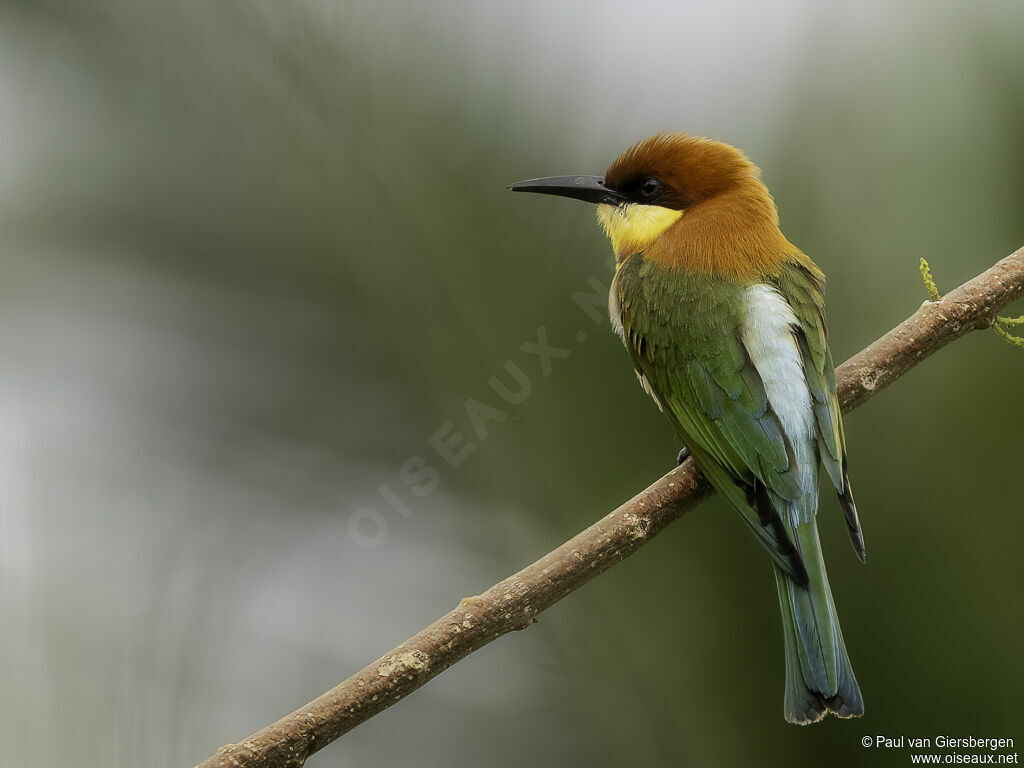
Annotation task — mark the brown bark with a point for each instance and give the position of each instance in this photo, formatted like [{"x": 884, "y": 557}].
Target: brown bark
[{"x": 513, "y": 603}]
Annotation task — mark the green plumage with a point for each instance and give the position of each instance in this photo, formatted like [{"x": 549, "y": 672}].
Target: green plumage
[{"x": 683, "y": 332}]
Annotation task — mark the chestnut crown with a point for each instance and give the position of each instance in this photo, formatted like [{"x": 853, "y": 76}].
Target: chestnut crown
[{"x": 677, "y": 171}]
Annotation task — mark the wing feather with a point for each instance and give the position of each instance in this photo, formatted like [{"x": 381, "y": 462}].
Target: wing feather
[
  {"x": 713, "y": 395},
  {"x": 683, "y": 334}
]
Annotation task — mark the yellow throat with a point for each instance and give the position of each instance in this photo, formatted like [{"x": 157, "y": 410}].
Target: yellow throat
[{"x": 633, "y": 227}]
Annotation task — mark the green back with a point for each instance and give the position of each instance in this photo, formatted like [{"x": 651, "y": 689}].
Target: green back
[{"x": 682, "y": 333}]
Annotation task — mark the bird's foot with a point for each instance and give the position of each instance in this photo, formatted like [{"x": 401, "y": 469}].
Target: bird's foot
[{"x": 684, "y": 453}]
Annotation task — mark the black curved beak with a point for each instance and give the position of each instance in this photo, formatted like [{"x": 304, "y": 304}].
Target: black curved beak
[{"x": 589, "y": 188}]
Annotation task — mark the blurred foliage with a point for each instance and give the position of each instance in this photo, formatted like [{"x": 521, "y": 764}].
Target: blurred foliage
[{"x": 255, "y": 254}]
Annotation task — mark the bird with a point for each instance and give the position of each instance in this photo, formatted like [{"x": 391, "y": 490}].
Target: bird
[{"x": 724, "y": 321}]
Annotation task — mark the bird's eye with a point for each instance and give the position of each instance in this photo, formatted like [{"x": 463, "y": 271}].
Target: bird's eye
[{"x": 649, "y": 186}]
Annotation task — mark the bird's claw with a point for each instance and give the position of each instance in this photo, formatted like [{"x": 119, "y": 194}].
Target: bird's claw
[{"x": 684, "y": 453}]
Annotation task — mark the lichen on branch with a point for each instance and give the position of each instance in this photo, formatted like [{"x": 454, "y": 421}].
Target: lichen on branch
[{"x": 1000, "y": 323}]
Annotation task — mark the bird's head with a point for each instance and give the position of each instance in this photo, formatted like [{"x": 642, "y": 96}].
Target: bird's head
[{"x": 660, "y": 181}]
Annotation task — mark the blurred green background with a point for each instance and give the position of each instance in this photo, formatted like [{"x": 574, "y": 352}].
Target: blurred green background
[{"x": 255, "y": 253}]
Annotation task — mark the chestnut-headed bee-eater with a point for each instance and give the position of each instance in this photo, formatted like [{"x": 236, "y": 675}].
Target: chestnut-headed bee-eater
[{"x": 724, "y": 321}]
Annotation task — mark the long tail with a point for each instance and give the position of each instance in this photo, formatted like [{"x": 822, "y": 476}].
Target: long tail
[{"x": 819, "y": 678}]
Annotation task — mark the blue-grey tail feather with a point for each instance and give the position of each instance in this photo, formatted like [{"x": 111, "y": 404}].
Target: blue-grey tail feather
[{"x": 819, "y": 677}]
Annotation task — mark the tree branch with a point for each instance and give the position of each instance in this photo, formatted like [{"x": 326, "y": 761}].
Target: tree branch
[{"x": 513, "y": 603}]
